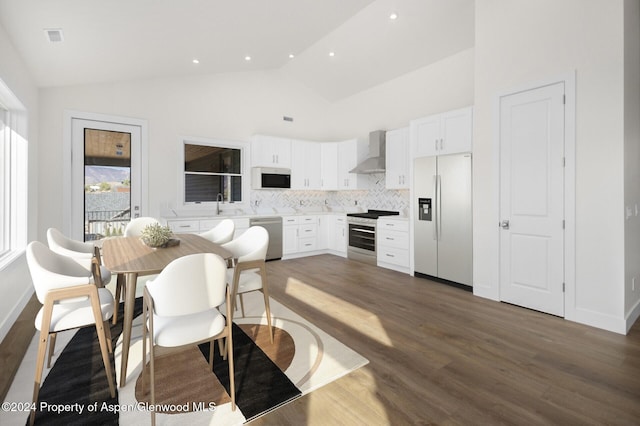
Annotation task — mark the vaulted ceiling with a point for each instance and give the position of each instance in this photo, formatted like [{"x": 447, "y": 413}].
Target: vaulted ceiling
[{"x": 129, "y": 40}]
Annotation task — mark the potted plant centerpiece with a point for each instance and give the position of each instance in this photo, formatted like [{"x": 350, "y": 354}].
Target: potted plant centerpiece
[{"x": 156, "y": 235}]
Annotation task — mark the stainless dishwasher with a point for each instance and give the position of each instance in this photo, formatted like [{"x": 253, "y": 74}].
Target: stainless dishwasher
[{"x": 273, "y": 225}]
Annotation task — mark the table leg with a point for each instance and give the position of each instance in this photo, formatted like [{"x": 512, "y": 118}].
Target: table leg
[{"x": 129, "y": 302}]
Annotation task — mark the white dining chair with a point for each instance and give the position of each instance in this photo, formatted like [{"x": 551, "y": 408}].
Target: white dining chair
[
  {"x": 221, "y": 233},
  {"x": 70, "y": 300},
  {"x": 82, "y": 252},
  {"x": 181, "y": 307},
  {"x": 249, "y": 272},
  {"x": 135, "y": 226}
]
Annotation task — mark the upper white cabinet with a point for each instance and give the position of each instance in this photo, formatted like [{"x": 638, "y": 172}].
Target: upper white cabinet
[
  {"x": 329, "y": 166},
  {"x": 440, "y": 134},
  {"x": 270, "y": 151},
  {"x": 350, "y": 153},
  {"x": 397, "y": 159},
  {"x": 306, "y": 165}
]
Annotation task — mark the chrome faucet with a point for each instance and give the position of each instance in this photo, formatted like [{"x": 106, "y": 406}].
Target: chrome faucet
[{"x": 219, "y": 198}]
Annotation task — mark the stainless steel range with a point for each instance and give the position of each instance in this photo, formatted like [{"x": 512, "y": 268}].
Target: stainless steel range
[{"x": 362, "y": 235}]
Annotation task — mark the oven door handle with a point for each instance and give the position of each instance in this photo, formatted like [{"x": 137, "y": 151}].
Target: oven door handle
[{"x": 363, "y": 230}]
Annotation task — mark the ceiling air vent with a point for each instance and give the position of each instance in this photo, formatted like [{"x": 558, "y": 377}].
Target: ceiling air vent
[{"x": 54, "y": 35}]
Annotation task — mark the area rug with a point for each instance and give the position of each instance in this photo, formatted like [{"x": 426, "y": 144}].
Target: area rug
[{"x": 75, "y": 391}]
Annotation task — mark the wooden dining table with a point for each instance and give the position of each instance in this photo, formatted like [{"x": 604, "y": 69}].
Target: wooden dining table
[{"x": 132, "y": 258}]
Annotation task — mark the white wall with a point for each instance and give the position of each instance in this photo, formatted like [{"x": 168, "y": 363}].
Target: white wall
[
  {"x": 224, "y": 106},
  {"x": 15, "y": 281},
  {"x": 443, "y": 86},
  {"x": 234, "y": 107},
  {"x": 632, "y": 156},
  {"x": 520, "y": 42}
]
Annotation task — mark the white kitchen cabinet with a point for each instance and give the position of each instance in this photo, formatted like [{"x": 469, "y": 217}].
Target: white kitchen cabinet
[
  {"x": 337, "y": 234},
  {"x": 350, "y": 154},
  {"x": 397, "y": 159},
  {"x": 329, "y": 166},
  {"x": 446, "y": 133},
  {"x": 270, "y": 151},
  {"x": 393, "y": 244},
  {"x": 299, "y": 234},
  {"x": 290, "y": 225},
  {"x": 306, "y": 165},
  {"x": 195, "y": 226},
  {"x": 322, "y": 240},
  {"x": 184, "y": 226}
]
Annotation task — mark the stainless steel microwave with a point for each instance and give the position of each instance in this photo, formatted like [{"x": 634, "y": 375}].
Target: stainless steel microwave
[{"x": 270, "y": 178}]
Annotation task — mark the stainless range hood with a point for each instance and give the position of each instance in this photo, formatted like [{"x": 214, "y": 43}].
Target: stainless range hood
[{"x": 375, "y": 163}]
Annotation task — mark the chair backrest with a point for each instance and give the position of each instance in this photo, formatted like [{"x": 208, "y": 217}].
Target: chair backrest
[
  {"x": 62, "y": 244},
  {"x": 251, "y": 245},
  {"x": 189, "y": 284},
  {"x": 221, "y": 233},
  {"x": 135, "y": 227},
  {"x": 50, "y": 270}
]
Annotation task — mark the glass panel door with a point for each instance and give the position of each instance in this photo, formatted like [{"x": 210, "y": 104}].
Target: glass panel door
[
  {"x": 106, "y": 178},
  {"x": 107, "y": 183}
]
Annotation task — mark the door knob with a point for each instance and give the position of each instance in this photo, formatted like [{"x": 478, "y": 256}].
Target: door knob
[{"x": 504, "y": 224}]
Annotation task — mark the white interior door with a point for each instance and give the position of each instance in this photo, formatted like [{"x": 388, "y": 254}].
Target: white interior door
[
  {"x": 106, "y": 177},
  {"x": 532, "y": 199}
]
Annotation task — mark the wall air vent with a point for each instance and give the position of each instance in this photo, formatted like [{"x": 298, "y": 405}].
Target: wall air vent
[
  {"x": 54, "y": 35},
  {"x": 285, "y": 118}
]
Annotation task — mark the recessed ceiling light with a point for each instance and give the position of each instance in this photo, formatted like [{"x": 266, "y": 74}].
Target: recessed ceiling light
[
  {"x": 291, "y": 56},
  {"x": 393, "y": 16},
  {"x": 332, "y": 54},
  {"x": 247, "y": 58},
  {"x": 195, "y": 61}
]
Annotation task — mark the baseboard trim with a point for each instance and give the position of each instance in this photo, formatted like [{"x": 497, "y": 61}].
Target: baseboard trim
[{"x": 633, "y": 316}]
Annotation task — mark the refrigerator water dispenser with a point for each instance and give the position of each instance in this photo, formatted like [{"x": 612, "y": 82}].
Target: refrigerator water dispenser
[{"x": 424, "y": 209}]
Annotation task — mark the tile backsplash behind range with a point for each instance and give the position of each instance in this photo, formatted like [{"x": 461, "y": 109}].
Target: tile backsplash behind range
[{"x": 378, "y": 197}]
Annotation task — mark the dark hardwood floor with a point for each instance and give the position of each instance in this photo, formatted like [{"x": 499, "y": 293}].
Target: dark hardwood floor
[{"x": 439, "y": 355}]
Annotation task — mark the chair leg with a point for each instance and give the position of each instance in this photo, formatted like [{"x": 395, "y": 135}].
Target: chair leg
[
  {"x": 52, "y": 347},
  {"x": 102, "y": 338},
  {"x": 229, "y": 352},
  {"x": 153, "y": 383},
  {"x": 120, "y": 289},
  {"x": 268, "y": 312},
  {"x": 241, "y": 304},
  {"x": 212, "y": 345},
  {"x": 265, "y": 292},
  {"x": 144, "y": 347},
  {"x": 107, "y": 331},
  {"x": 105, "y": 356},
  {"x": 42, "y": 349},
  {"x": 223, "y": 348}
]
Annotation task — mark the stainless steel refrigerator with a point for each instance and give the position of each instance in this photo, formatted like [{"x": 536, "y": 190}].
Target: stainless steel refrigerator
[{"x": 442, "y": 225}]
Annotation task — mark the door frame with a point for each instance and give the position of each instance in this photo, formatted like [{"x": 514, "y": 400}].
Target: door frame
[
  {"x": 569, "y": 80},
  {"x": 67, "y": 147}
]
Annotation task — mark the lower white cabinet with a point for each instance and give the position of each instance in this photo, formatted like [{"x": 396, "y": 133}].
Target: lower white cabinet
[
  {"x": 299, "y": 234},
  {"x": 195, "y": 226},
  {"x": 393, "y": 244},
  {"x": 337, "y": 234}
]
